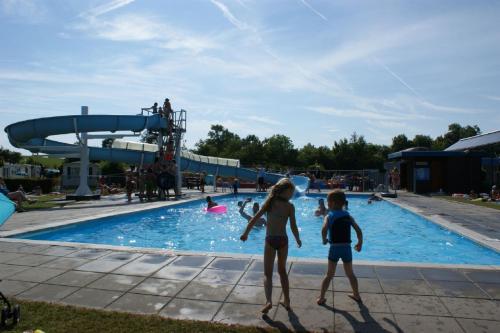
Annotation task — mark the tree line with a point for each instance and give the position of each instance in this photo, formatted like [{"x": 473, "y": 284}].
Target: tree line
[{"x": 279, "y": 152}]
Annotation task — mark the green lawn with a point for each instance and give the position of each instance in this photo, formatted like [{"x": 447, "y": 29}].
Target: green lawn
[
  {"x": 48, "y": 162},
  {"x": 43, "y": 202},
  {"x": 470, "y": 202},
  {"x": 52, "y": 318}
]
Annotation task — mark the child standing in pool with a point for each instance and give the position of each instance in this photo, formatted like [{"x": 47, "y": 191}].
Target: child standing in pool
[
  {"x": 279, "y": 210},
  {"x": 337, "y": 226}
]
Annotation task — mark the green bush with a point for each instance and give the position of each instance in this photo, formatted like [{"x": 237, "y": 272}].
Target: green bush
[{"x": 29, "y": 184}]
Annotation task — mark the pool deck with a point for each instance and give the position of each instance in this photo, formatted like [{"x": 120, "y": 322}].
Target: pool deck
[{"x": 228, "y": 288}]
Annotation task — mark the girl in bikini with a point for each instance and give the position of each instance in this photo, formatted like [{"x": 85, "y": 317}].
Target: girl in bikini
[{"x": 279, "y": 210}]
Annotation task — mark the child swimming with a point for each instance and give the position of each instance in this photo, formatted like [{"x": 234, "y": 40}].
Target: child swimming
[
  {"x": 321, "y": 210},
  {"x": 210, "y": 203},
  {"x": 255, "y": 209},
  {"x": 279, "y": 210}
]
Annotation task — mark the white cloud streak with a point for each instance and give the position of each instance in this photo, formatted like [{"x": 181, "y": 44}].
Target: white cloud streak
[
  {"x": 106, "y": 8},
  {"x": 229, "y": 15},
  {"x": 311, "y": 8}
]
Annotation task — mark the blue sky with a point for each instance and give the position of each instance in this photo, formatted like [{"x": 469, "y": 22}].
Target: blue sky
[{"x": 311, "y": 69}]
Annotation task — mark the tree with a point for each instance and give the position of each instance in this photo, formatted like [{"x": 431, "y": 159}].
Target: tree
[
  {"x": 250, "y": 152},
  {"x": 112, "y": 168},
  {"x": 455, "y": 133},
  {"x": 9, "y": 156},
  {"x": 422, "y": 141},
  {"x": 279, "y": 151},
  {"x": 400, "y": 142},
  {"x": 220, "y": 142}
]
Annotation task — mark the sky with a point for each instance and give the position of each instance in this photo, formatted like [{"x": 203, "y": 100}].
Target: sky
[{"x": 314, "y": 70}]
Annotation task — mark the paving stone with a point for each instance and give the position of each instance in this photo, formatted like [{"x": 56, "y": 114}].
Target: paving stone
[
  {"x": 121, "y": 256},
  {"x": 160, "y": 287},
  {"x": 304, "y": 268},
  {"x": 304, "y": 298},
  {"x": 307, "y": 282},
  {"x": 367, "y": 285},
  {"x": 75, "y": 278},
  {"x": 32, "y": 248},
  {"x": 315, "y": 319},
  {"x": 190, "y": 309},
  {"x": 346, "y": 321},
  {"x": 216, "y": 276},
  {"x": 101, "y": 266},
  {"x": 192, "y": 261},
  {"x": 88, "y": 254},
  {"x": 36, "y": 274},
  {"x": 257, "y": 265},
  {"x": 484, "y": 276},
  {"x": 241, "y": 314},
  {"x": 478, "y": 326},
  {"x": 145, "y": 265},
  {"x": 252, "y": 295},
  {"x": 371, "y": 303},
  {"x": 7, "y": 256},
  {"x": 116, "y": 282},
  {"x": 230, "y": 264},
  {"x": 59, "y": 251},
  {"x": 472, "y": 308},
  {"x": 438, "y": 274},
  {"x": 12, "y": 288},
  {"x": 399, "y": 273},
  {"x": 406, "y": 287},
  {"x": 417, "y": 305},
  {"x": 9, "y": 270},
  {"x": 31, "y": 260},
  {"x": 177, "y": 273},
  {"x": 92, "y": 298},
  {"x": 136, "y": 303},
  {"x": 47, "y": 293},
  {"x": 65, "y": 263},
  {"x": 492, "y": 289},
  {"x": 457, "y": 289},
  {"x": 256, "y": 278},
  {"x": 419, "y": 324},
  {"x": 204, "y": 291}
]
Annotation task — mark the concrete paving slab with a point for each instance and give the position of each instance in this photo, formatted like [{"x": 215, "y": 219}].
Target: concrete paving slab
[
  {"x": 65, "y": 263},
  {"x": 371, "y": 303},
  {"x": 257, "y": 265},
  {"x": 406, "y": 287},
  {"x": 116, "y": 282},
  {"x": 216, "y": 276},
  {"x": 37, "y": 274},
  {"x": 241, "y": 314},
  {"x": 101, "y": 266},
  {"x": 367, "y": 285},
  {"x": 417, "y": 305},
  {"x": 204, "y": 291},
  {"x": 160, "y": 287},
  {"x": 315, "y": 319},
  {"x": 361, "y": 271},
  {"x": 484, "y": 276},
  {"x": 92, "y": 298},
  {"x": 229, "y": 264},
  {"x": 479, "y": 326},
  {"x": 88, "y": 253},
  {"x": 145, "y": 265},
  {"x": 398, "y": 273},
  {"x": 123, "y": 257},
  {"x": 419, "y": 324},
  {"x": 31, "y": 260},
  {"x": 59, "y": 251},
  {"x": 256, "y": 278},
  {"x": 304, "y": 268},
  {"x": 47, "y": 293},
  {"x": 303, "y": 281},
  {"x": 177, "y": 273},
  {"x": 457, "y": 289},
  {"x": 9, "y": 270},
  {"x": 190, "y": 309},
  {"x": 252, "y": 295},
  {"x": 439, "y": 274},
  {"x": 137, "y": 303},
  {"x": 192, "y": 261},
  {"x": 472, "y": 308},
  {"x": 75, "y": 278},
  {"x": 32, "y": 249},
  {"x": 348, "y": 321},
  {"x": 304, "y": 298},
  {"x": 7, "y": 256},
  {"x": 492, "y": 289},
  {"x": 12, "y": 288}
]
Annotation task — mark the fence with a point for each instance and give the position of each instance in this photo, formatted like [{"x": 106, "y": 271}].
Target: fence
[{"x": 365, "y": 180}]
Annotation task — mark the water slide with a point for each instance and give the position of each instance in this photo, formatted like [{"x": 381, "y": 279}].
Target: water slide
[
  {"x": 7, "y": 208},
  {"x": 32, "y": 135}
]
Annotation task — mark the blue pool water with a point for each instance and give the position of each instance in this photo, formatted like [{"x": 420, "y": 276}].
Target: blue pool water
[{"x": 390, "y": 232}]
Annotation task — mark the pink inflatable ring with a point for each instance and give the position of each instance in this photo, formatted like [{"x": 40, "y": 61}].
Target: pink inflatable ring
[{"x": 216, "y": 209}]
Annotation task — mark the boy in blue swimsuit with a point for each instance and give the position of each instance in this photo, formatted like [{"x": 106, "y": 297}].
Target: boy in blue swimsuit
[{"x": 337, "y": 225}]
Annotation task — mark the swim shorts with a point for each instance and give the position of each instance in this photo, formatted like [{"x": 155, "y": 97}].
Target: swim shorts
[{"x": 343, "y": 252}]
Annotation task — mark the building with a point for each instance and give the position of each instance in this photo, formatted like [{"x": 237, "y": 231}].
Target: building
[
  {"x": 71, "y": 174},
  {"x": 16, "y": 171}
]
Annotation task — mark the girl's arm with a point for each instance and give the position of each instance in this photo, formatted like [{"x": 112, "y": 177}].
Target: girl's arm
[
  {"x": 359, "y": 234},
  {"x": 293, "y": 226},
  {"x": 324, "y": 230},
  {"x": 251, "y": 223}
]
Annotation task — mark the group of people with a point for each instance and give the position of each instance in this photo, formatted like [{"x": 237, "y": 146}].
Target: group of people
[
  {"x": 336, "y": 230},
  {"x": 18, "y": 197}
]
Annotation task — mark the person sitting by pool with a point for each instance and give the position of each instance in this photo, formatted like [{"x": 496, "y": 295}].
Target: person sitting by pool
[
  {"x": 210, "y": 203},
  {"x": 17, "y": 196},
  {"x": 321, "y": 210},
  {"x": 472, "y": 194},
  {"x": 495, "y": 194},
  {"x": 255, "y": 209}
]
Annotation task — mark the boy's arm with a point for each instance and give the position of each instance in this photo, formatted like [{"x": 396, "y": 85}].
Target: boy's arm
[
  {"x": 242, "y": 212},
  {"x": 359, "y": 234},
  {"x": 293, "y": 226},
  {"x": 251, "y": 223},
  {"x": 324, "y": 230}
]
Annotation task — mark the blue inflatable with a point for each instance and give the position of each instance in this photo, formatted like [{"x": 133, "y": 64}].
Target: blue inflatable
[{"x": 7, "y": 208}]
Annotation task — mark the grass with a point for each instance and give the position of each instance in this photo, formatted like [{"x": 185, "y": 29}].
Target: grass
[
  {"x": 53, "y": 318},
  {"x": 48, "y": 162},
  {"x": 43, "y": 202},
  {"x": 470, "y": 202}
]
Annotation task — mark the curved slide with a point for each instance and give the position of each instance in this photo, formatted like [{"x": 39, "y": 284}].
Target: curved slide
[
  {"x": 7, "y": 208},
  {"x": 32, "y": 134}
]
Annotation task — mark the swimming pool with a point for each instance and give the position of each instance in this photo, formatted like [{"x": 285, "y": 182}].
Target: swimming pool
[{"x": 391, "y": 233}]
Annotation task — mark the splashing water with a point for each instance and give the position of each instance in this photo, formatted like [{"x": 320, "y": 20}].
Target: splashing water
[{"x": 301, "y": 185}]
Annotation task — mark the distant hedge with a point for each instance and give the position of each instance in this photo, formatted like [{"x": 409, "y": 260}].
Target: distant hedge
[{"x": 28, "y": 184}]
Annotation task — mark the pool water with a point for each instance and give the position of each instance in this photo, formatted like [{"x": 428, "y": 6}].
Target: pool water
[{"x": 390, "y": 233}]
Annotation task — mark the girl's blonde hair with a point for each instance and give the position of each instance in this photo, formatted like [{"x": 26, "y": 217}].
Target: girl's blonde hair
[{"x": 280, "y": 187}]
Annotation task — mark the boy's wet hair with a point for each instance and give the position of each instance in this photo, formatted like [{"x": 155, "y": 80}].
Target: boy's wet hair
[
  {"x": 337, "y": 196},
  {"x": 209, "y": 198}
]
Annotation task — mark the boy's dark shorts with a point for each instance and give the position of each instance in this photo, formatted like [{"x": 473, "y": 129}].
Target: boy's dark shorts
[{"x": 343, "y": 252}]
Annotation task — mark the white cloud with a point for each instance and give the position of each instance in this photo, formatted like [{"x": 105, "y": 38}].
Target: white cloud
[
  {"x": 229, "y": 15},
  {"x": 311, "y": 8},
  {"x": 264, "y": 120},
  {"x": 27, "y": 11},
  {"x": 106, "y": 8}
]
